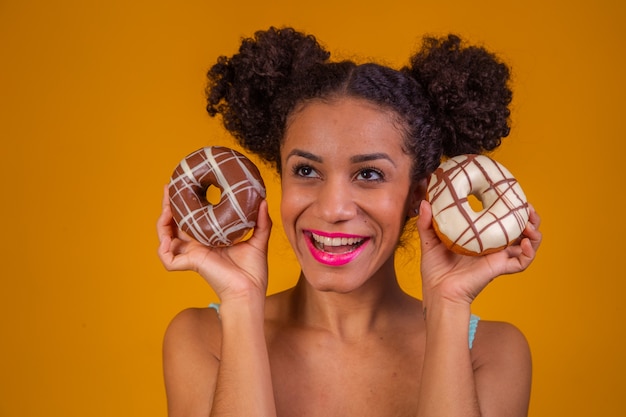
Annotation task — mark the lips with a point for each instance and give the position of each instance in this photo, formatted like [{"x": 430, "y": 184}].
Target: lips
[{"x": 334, "y": 249}]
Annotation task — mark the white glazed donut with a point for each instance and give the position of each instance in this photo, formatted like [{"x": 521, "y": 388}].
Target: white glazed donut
[
  {"x": 505, "y": 208},
  {"x": 242, "y": 190}
]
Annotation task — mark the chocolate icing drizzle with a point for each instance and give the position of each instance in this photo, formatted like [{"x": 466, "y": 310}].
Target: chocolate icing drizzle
[
  {"x": 505, "y": 208},
  {"x": 241, "y": 187}
]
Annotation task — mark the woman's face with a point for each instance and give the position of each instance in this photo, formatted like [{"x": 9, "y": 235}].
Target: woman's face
[{"x": 346, "y": 191}]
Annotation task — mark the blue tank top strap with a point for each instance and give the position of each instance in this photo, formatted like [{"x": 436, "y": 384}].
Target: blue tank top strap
[
  {"x": 216, "y": 307},
  {"x": 472, "y": 325},
  {"x": 472, "y": 328}
]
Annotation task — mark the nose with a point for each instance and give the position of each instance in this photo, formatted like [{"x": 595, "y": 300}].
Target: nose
[{"x": 335, "y": 201}]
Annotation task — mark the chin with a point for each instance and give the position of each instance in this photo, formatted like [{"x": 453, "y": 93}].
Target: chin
[{"x": 338, "y": 280}]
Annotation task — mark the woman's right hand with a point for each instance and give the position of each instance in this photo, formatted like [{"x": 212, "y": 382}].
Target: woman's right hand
[
  {"x": 461, "y": 278},
  {"x": 232, "y": 272}
]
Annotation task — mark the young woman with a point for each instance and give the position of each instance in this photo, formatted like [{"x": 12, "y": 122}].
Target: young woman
[{"x": 353, "y": 144}]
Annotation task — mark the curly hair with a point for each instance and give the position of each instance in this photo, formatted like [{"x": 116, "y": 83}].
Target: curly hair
[
  {"x": 450, "y": 100},
  {"x": 468, "y": 89}
]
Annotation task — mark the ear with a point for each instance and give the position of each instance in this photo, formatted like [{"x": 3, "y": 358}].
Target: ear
[{"x": 417, "y": 194}]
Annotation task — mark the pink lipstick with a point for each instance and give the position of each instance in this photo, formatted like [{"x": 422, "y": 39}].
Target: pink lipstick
[{"x": 334, "y": 249}]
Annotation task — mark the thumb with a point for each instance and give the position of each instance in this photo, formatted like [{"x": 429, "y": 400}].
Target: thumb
[
  {"x": 261, "y": 235},
  {"x": 425, "y": 229}
]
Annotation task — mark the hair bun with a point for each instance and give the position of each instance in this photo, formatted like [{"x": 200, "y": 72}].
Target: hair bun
[
  {"x": 469, "y": 92},
  {"x": 246, "y": 88}
]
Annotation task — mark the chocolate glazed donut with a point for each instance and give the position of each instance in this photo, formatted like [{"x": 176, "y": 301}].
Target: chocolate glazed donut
[
  {"x": 505, "y": 208},
  {"x": 242, "y": 190}
]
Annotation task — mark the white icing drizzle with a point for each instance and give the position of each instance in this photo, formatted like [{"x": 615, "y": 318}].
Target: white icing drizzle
[
  {"x": 214, "y": 225},
  {"x": 505, "y": 208}
]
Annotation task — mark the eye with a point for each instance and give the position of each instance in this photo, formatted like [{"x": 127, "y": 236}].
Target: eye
[
  {"x": 370, "y": 174},
  {"x": 305, "y": 171}
]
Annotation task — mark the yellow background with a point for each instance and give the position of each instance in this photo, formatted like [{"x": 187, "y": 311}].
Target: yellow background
[{"x": 100, "y": 99}]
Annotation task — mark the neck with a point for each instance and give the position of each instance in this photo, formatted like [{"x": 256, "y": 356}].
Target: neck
[{"x": 353, "y": 314}]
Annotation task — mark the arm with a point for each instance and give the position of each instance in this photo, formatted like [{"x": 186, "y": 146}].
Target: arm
[
  {"x": 447, "y": 386},
  {"x": 214, "y": 368},
  {"x": 232, "y": 378},
  {"x": 451, "y": 383},
  {"x": 502, "y": 369},
  {"x": 191, "y": 350},
  {"x": 244, "y": 386}
]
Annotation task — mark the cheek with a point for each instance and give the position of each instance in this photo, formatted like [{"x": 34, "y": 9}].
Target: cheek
[
  {"x": 392, "y": 204},
  {"x": 392, "y": 213},
  {"x": 291, "y": 204},
  {"x": 389, "y": 211}
]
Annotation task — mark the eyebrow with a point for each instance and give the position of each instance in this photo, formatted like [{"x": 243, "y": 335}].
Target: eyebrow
[
  {"x": 371, "y": 157},
  {"x": 353, "y": 159},
  {"x": 304, "y": 154}
]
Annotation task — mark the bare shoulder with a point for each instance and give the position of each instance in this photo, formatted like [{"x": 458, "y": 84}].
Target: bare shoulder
[
  {"x": 196, "y": 329},
  {"x": 191, "y": 351},
  {"x": 495, "y": 340},
  {"x": 503, "y": 369}
]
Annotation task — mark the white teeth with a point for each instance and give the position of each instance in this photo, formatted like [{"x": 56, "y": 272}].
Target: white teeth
[{"x": 335, "y": 241}]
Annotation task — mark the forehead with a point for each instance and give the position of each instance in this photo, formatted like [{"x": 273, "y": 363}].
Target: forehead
[{"x": 344, "y": 122}]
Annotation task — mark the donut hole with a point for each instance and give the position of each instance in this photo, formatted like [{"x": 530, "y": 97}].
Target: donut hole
[
  {"x": 248, "y": 235},
  {"x": 475, "y": 203},
  {"x": 213, "y": 194}
]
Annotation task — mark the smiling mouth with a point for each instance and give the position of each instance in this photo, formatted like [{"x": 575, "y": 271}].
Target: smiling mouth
[{"x": 336, "y": 244}]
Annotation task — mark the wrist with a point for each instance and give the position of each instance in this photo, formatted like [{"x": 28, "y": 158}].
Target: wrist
[
  {"x": 447, "y": 295},
  {"x": 447, "y": 324},
  {"x": 238, "y": 290},
  {"x": 438, "y": 309},
  {"x": 250, "y": 305}
]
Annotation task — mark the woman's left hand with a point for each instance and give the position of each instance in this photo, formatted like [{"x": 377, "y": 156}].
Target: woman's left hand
[{"x": 460, "y": 278}]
